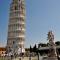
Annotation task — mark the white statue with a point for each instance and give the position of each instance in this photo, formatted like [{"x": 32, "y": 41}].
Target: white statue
[{"x": 52, "y": 46}]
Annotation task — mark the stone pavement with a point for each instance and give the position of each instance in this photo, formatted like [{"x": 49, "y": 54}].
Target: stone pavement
[
  {"x": 21, "y": 58},
  {"x": 26, "y": 58}
]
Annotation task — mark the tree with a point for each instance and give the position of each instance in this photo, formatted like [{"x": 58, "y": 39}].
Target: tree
[
  {"x": 34, "y": 48},
  {"x": 57, "y": 43},
  {"x": 30, "y": 49}
]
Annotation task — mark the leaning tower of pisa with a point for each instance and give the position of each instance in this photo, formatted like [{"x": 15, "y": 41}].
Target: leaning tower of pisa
[{"x": 16, "y": 26}]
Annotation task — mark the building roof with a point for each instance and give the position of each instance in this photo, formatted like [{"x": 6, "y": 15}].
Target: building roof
[{"x": 2, "y": 49}]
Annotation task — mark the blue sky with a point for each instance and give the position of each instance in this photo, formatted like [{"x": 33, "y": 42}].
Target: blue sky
[{"x": 41, "y": 16}]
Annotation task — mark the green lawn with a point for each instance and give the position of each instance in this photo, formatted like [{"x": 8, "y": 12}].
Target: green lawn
[{"x": 1, "y": 58}]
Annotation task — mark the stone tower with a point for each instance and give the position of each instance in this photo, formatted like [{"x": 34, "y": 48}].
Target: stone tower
[
  {"x": 16, "y": 26},
  {"x": 52, "y": 47}
]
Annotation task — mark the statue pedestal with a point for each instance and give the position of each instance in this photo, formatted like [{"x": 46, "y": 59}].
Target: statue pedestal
[{"x": 52, "y": 58}]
